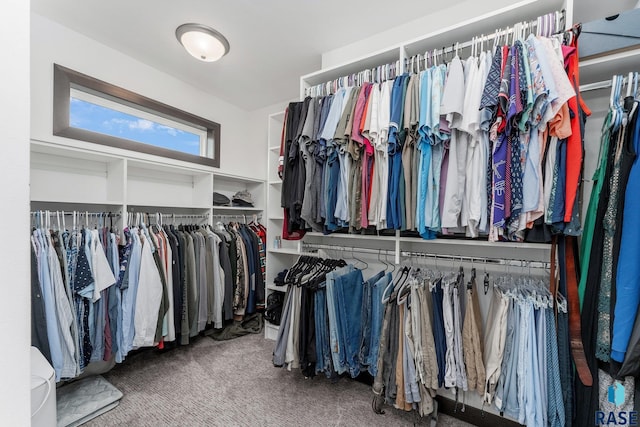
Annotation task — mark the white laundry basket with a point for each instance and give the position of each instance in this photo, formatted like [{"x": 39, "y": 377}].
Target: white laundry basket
[{"x": 43, "y": 391}]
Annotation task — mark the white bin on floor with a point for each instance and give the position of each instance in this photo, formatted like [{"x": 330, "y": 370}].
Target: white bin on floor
[{"x": 43, "y": 391}]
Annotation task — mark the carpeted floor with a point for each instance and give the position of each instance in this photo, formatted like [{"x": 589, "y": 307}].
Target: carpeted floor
[{"x": 233, "y": 383}]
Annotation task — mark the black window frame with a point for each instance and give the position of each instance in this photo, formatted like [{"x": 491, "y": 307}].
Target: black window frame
[{"x": 65, "y": 78}]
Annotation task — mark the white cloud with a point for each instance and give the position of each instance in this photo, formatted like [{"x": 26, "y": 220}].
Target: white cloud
[
  {"x": 142, "y": 124},
  {"x": 171, "y": 131},
  {"x": 139, "y": 124}
]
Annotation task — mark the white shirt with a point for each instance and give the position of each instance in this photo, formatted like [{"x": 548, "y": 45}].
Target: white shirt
[
  {"x": 148, "y": 298},
  {"x": 371, "y": 123},
  {"x": 453, "y": 106},
  {"x": 476, "y": 160},
  {"x": 382, "y": 157},
  {"x": 102, "y": 274},
  {"x": 169, "y": 318}
]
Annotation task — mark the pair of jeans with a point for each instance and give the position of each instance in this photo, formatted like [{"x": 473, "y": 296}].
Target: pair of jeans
[
  {"x": 506, "y": 397},
  {"x": 338, "y": 356},
  {"x": 323, "y": 351},
  {"x": 283, "y": 331},
  {"x": 367, "y": 314},
  {"x": 348, "y": 294}
]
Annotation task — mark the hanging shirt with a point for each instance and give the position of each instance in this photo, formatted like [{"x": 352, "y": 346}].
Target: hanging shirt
[
  {"x": 103, "y": 276},
  {"x": 396, "y": 141},
  {"x": 424, "y": 150},
  {"x": 382, "y": 162},
  {"x": 148, "y": 298},
  {"x": 476, "y": 160},
  {"x": 438, "y": 138}
]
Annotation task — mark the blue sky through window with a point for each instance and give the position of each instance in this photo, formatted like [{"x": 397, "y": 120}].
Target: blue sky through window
[{"x": 97, "y": 118}]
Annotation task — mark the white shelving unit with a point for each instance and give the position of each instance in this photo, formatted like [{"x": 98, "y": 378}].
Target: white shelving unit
[
  {"x": 459, "y": 32},
  {"x": 69, "y": 178},
  {"x": 591, "y": 70},
  {"x": 277, "y": 259},
  {"x": 87, "y": 177}
]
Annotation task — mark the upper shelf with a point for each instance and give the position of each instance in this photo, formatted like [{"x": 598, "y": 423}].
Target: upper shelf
[
  {"x": 235, "y": 208},
  {"x": 487, "y": 23},
  {"x": 593, "y": 70},
  {"x": 373, "y": 60},
  {"x": 218, "y": 176},
  {"x": 461, "y": 31},
  {"x": 349, "y": 236}
]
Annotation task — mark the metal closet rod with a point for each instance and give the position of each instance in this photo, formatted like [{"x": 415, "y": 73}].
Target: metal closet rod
[
  {"x": 378, "y": 73},
  {"x": 347, "y": 248},
  {"x": 243, "y": 217},
  {"x": 70, "y": 213},
  {"x": 170, "y": 215},
  {"x": 411, "y": 254},
  {"x": 604, "y": 84},
  {"x": 487, "y": 260},
  {"x": 502, "y": 32}
]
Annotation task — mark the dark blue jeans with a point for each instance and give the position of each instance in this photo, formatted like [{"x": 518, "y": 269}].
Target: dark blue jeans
[
  {"x": 365, "y": 338},
  {"x": 373, "y": 327},
  {"x": 323, "y": 350},
  {"x": 438, "y": 330}
]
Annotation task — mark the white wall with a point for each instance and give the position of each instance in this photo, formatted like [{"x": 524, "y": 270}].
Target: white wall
[
  {"x": 52, "y": 43},
  {"x": 14, "y": 216},
  {"x": 396, "y": 34},
  {"x": 259, "y": 121}
]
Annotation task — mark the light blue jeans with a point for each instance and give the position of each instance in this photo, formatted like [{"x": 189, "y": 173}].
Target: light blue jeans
[
  {"x": 348, "y": 289},
  {"x": 337, "y": 348}
]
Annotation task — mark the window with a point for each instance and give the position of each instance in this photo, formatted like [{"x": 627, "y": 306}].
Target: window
[{"x": 92, "y": 110}]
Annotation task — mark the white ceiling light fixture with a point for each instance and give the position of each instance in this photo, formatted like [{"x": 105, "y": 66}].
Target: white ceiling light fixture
[{"x": 202, "y": 42}]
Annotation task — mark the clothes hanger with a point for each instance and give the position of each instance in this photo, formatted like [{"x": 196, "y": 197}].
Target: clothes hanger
[
  {"x": 381, "y": 261},
  {"x": 358, "y": 259},
  {"x": 472, "y": 280}
]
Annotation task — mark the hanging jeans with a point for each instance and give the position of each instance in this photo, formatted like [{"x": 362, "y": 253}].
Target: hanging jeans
[
  {"x": 323, "y": 351},
  {"x": 338, "y": 355},
  {"x": 372, "y": 313},
  {"x": 348, "y": 291}
]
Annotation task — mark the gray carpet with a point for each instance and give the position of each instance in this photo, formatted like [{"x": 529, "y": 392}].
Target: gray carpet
[{"x": 233, "y": 383}]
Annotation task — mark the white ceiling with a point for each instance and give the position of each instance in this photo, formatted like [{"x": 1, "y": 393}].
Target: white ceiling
[{"x": 273, "y": 42}]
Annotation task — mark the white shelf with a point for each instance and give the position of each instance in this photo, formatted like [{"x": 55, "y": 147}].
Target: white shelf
[
  {"x": 477, "y": 243},
  {"x": 132, "y": 206},
  {"x": 274, "y": 148},
  {"x": 380, "y": 57},
  {"x": 275, "y": 182},
  {"x": 74, "y": 201},
  {"x": 350, "y": 236},
  {"x": 236, "y": 178},
  {"x": 279, "y": 116},
  {"x": 236, "y": 208},
  {"x": 593, "y": 70},
  {"x": 539, "y": 252},
  {"x": 270, "y": 331},
  {"x": 288, "y": 251},
  {"x": 273, "y": 287},
  {"x": 276, "y": 218}
]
